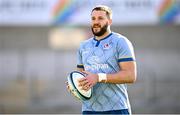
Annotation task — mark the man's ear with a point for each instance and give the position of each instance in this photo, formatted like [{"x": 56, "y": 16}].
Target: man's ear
[{"x": 110, "y": 21}]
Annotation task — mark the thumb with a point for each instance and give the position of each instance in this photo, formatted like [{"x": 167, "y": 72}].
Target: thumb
[{"x": 86, "y": 72}]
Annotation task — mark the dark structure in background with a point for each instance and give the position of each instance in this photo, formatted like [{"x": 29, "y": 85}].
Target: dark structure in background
[{"x": 33, "y": 75}]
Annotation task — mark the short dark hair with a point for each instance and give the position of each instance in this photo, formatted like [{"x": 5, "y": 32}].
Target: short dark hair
[{"x": 103, "y": 8}]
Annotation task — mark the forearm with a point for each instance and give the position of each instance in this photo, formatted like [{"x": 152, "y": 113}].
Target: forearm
[
  {"x": 121, "y": 77},
  {"x": 127, "y": 74}
]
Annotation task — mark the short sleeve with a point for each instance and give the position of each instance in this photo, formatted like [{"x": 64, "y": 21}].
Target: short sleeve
[
  {"x": 125, "y": 50},
  {"x": 79, "y": 58}
]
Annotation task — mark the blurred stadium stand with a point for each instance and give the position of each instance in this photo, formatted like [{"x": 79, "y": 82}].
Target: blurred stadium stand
[{"x": 33, "y": 75}]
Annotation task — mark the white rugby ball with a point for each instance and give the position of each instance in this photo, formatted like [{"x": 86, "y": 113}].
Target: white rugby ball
[{"x": 75, "y": 89}]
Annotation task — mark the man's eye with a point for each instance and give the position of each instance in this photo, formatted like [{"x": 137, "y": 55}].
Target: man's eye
[{"x": 101, "y": 18}]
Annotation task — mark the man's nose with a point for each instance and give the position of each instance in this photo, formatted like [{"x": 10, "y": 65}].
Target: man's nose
[{"x": 96, "y": 21}]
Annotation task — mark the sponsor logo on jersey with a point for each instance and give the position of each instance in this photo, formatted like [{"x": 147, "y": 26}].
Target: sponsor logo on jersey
[{"x": 95, "y": 64}]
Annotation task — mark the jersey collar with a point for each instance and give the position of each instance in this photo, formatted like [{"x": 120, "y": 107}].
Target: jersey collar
[
  {"x": 102, "y": 38},
  {"x": 97, "y": 42}
]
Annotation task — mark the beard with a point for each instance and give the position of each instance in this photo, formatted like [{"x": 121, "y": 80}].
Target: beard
[{"x": 102, "y": 29}]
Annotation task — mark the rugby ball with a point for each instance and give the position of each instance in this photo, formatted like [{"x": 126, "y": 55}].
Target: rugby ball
[{"x": 75, "y": 89}]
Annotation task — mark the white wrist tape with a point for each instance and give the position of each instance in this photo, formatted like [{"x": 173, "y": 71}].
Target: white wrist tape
[{"x": 102, "y": 77}]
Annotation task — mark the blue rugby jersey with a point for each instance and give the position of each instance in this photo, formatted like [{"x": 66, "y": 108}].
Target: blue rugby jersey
[{"x": 104, "y": 56}]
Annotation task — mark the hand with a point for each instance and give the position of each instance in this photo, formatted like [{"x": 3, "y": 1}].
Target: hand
[
  {"x": 67, "y": 86},
  {"x": 69, "y": 90},
  {"x": 89, "y": 81}
]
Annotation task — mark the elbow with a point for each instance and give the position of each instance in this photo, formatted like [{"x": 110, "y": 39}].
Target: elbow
[
  {"x": 132, "y": 78},
  {"x": 133, "y": 75}
]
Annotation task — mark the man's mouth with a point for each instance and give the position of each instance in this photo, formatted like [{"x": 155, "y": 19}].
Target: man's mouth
[{"x": 96, "y": 26}]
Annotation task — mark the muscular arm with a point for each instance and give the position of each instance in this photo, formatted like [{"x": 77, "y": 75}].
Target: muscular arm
[{"x": 127, "y": 74}]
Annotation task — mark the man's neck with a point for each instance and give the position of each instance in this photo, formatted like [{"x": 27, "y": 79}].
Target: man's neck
[{"x": 103, "y": 36}]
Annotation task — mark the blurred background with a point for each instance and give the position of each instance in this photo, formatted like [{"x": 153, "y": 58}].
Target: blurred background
[{"x": 39, "y": 40}]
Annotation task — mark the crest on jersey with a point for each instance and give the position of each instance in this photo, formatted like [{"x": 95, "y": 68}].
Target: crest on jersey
[{"x": 106, "y": 46}]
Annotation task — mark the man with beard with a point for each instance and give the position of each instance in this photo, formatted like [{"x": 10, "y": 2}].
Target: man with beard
[{"x": 108, "y": 61}]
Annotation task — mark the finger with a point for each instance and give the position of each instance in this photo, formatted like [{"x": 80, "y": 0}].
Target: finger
[
  {"x": 68, "y": 88},
  {"x": 86, "y": 72},
  {"x": 66, "y": 83},
  {"x": 87, "y": 86},
  {"x": 84, "y": 88},
  {"x": 90, "y": 85},
  {"x": 82, "y": 79},
  {"x": 83, "y": 83}
]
